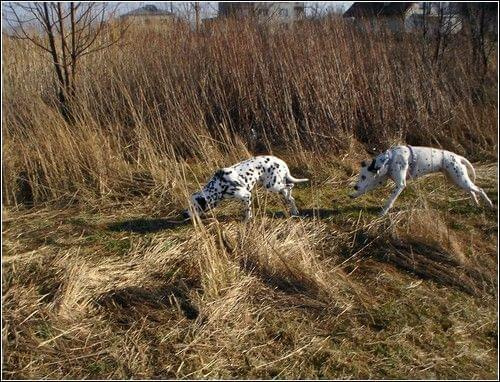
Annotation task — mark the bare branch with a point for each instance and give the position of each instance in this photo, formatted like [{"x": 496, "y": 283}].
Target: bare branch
[{"x": 67, "y": 33}]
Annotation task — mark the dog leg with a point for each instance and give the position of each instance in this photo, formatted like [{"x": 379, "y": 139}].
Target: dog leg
[
  {"x": 481, "y": 192},
  {"x": 245, "y": 197},
  {"x": 472, "y": 189},
  {"x": 474, "y": 197},
  {"x": 287, "y": 193},
  {"x": 458, "y": 174},
  {"x": 400, "y": 180},
  {"x": 392, "y": 199},
  {"x": 247, "y": 201}
]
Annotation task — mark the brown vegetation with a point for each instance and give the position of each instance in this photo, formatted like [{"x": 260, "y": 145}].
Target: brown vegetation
[
  {"x": 159, "y": 98},
  {"x": 98, "y": 284}
]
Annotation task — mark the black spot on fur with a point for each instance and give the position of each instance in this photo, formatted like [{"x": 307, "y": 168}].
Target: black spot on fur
[{"x": 234, "y": 183}]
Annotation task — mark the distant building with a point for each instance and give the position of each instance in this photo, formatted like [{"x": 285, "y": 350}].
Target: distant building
[
  {"x": 433, "y": 17},
  {"x": 407, "y": 17},
  {"x": 273, "y": 12},
  {"x": 149, "y": 14},
  {"x": 379, "y": 9}
]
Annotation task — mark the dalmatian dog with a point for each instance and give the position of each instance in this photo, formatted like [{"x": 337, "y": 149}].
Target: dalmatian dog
[
  {"x": 237, "y": 182},
  {"x": 402, "y": 163}
]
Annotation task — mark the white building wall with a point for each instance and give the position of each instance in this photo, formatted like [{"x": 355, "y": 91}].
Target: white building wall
[{"x": 284, "y": 12}]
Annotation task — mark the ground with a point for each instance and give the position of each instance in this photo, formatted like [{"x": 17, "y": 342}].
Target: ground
[{"x": 119, "y": 291}]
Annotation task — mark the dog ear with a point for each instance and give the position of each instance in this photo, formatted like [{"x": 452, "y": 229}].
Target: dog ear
[
  {"x": 202, "y": 202},
  {"x": 219, "y": 174},
  {"x": 363, "y": 164},
  {"x": 372, "y": 168}
]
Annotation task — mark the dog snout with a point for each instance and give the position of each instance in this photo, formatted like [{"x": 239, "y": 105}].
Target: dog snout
[{"x": 356, "y": 187}]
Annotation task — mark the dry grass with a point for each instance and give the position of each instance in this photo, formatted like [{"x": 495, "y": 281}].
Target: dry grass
[
  {"x": 159, "y": 99},
  {"x": 97, "y": 283},
  {"x": 113, "y": 293}
]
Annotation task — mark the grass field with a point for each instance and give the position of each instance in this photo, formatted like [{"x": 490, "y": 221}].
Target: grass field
[
  {"x": 99, "y": 283},
  {"x": 119, "y": 292}
]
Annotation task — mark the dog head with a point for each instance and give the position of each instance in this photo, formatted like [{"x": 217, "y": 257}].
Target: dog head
[
  {"x": 199, "y": 204},
  {"x": 372, "y": 175}
]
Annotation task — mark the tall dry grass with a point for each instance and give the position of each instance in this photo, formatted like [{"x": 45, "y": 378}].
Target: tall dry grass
[
  {"x": 165, "y": 98},
  {"x": 95, "y": 291}
]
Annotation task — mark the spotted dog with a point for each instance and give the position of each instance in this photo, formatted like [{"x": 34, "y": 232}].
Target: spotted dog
[
  {"x": 237, "y": 182},
  {"x": 401, "y": 163}
]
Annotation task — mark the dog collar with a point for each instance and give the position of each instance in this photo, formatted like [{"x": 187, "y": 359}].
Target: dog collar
[{"x": 412, "y": 165}]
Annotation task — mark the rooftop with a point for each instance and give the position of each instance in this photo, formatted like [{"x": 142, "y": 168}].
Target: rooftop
[
  {"x": 148, "y": 10},
  {"x": 360, "y": 9}
]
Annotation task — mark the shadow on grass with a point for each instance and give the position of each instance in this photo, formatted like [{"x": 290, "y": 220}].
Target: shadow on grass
[
  {"x": 129, "y": 303},
  {"x": 424, "y": 260},
  {"x": 340, "y": 210},
  {"x": 144, "y": 225},
  {"x": 147, "y": 225},
  {"x": 324, "y": 213},
  {"x": 298, "y": 289}
]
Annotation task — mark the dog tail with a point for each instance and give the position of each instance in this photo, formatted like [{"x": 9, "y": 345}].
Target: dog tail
[
  {"x": 470, "y": 168},
  {"x": 290, "y": 178}
]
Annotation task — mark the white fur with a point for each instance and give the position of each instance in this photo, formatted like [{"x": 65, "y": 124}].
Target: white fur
[
  {"x": 399, "y": 164},
  {"x": 237, "y": 182}
]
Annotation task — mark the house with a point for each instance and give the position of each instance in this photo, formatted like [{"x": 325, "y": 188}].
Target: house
[
  {"x": 433, "y": 17},
  {"x": 406, "y": 17},
  {"x": 149, "y": 14},
  {"x": 272, "y": 12}
]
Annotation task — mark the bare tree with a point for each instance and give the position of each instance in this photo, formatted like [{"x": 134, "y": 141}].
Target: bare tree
[
  {"x": 67, "y": 32},
  {"x": 194, "y": 12},
  {"x": 196, "y": 7},
  {"x": 481, "y": 24},
  {"x": 320, "y": 9},
  {"x": 439, "y": 23}
]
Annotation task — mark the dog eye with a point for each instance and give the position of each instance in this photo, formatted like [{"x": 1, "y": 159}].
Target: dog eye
[{"x": 363, "y": 177}]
